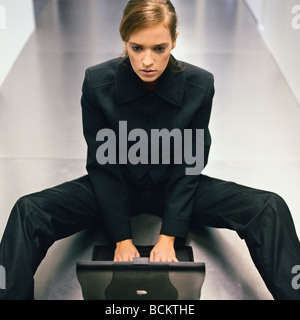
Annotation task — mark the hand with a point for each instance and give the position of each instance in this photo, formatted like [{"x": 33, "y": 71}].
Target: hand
[
  {"x": 164, "y": 250},
  {"x": 125, "y": 251}
]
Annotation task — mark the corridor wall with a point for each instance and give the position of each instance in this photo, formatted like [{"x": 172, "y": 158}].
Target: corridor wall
[
  {"x": 278, "y": 22},
  {"x": 17, "y": 22}
]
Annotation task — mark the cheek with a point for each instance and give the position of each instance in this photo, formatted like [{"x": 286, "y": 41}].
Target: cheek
[
  {"x": 164, "y": 61},
  {"x": 133, "y": 61}
]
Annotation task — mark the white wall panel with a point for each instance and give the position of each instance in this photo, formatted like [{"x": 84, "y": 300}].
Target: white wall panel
[
  {"x": 279, "y": 24},
  {"x": 16, "y": 26},
  {"x": 257, "y": 8}
]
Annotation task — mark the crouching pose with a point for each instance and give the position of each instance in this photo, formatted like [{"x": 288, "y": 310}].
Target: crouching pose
[{"x": 146, "y": 90}]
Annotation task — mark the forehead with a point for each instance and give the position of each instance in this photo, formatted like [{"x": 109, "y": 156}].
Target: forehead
[{"x": 151, "y": 36}]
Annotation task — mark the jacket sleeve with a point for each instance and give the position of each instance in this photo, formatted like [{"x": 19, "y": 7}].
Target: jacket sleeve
[
  {"x": 179, "y": 199},
  {"x": 108, "y": 182}
]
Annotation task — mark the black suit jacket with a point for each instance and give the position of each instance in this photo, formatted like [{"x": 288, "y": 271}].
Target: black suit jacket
[{"x": 112, "y": 92}]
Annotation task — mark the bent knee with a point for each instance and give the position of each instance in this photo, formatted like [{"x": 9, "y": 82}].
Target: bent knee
[
  {"x": 25, "y": 206},
  {"x": 268, "y": 205},
  {"x": 24, "y": 201},
  {"x": 275, "y": 202}
]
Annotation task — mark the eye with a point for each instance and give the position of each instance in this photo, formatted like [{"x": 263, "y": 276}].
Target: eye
[
  {"x": 160, "y": 49},
  {"x": 136, "y": 48}
]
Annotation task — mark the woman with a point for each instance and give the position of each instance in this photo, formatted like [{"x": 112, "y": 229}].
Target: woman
[{"x": 147, "y": 90}]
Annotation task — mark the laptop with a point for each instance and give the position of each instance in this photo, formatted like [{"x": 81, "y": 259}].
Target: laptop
[{"x": 103, "y": 279}]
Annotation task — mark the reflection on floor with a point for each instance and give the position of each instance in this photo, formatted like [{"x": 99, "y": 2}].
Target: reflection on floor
[{"x": 255, "y": 127}]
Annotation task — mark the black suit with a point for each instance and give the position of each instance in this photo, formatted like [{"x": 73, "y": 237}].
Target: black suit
[{"x": 112, "y": 93}]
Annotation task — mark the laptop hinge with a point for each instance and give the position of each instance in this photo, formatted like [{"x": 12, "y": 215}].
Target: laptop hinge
[{"x": 140, "y": 261}]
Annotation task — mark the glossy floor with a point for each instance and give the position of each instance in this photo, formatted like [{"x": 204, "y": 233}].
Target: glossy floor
[{"x": 255, "y": 127}]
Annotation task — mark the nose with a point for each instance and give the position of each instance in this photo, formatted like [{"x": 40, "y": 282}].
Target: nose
[{"x": 148, "y": 60}]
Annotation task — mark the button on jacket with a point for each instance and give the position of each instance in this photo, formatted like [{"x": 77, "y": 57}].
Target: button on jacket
[{"x": 112, "y": 92}]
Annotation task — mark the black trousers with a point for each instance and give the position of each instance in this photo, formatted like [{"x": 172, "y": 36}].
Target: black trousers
[{"x": 261, "y": 218}]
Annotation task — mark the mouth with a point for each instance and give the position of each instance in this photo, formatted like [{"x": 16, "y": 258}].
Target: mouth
[{"x": 148, "y": 73}]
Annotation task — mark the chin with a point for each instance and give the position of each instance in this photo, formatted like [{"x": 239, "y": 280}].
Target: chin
[{"x": 149, "y": 79}]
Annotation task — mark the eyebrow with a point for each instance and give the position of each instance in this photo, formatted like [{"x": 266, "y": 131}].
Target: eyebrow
[{"x": 157, "y": 45}]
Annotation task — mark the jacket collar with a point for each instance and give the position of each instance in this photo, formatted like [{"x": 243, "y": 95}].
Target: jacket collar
[{"x": 129, "y": 86}]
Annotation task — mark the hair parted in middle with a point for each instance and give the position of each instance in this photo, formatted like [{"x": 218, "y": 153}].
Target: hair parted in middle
[{"x": 141, "y": 14}]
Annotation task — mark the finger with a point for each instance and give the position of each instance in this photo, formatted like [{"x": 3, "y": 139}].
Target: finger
[
  {"x": 152, "y": 256},
  {"x": 128, "y": 258},
  {"x": 162, "y": 258},
  {"x": 116, "y": 257},
  {"x": 156, "y": 258}
]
